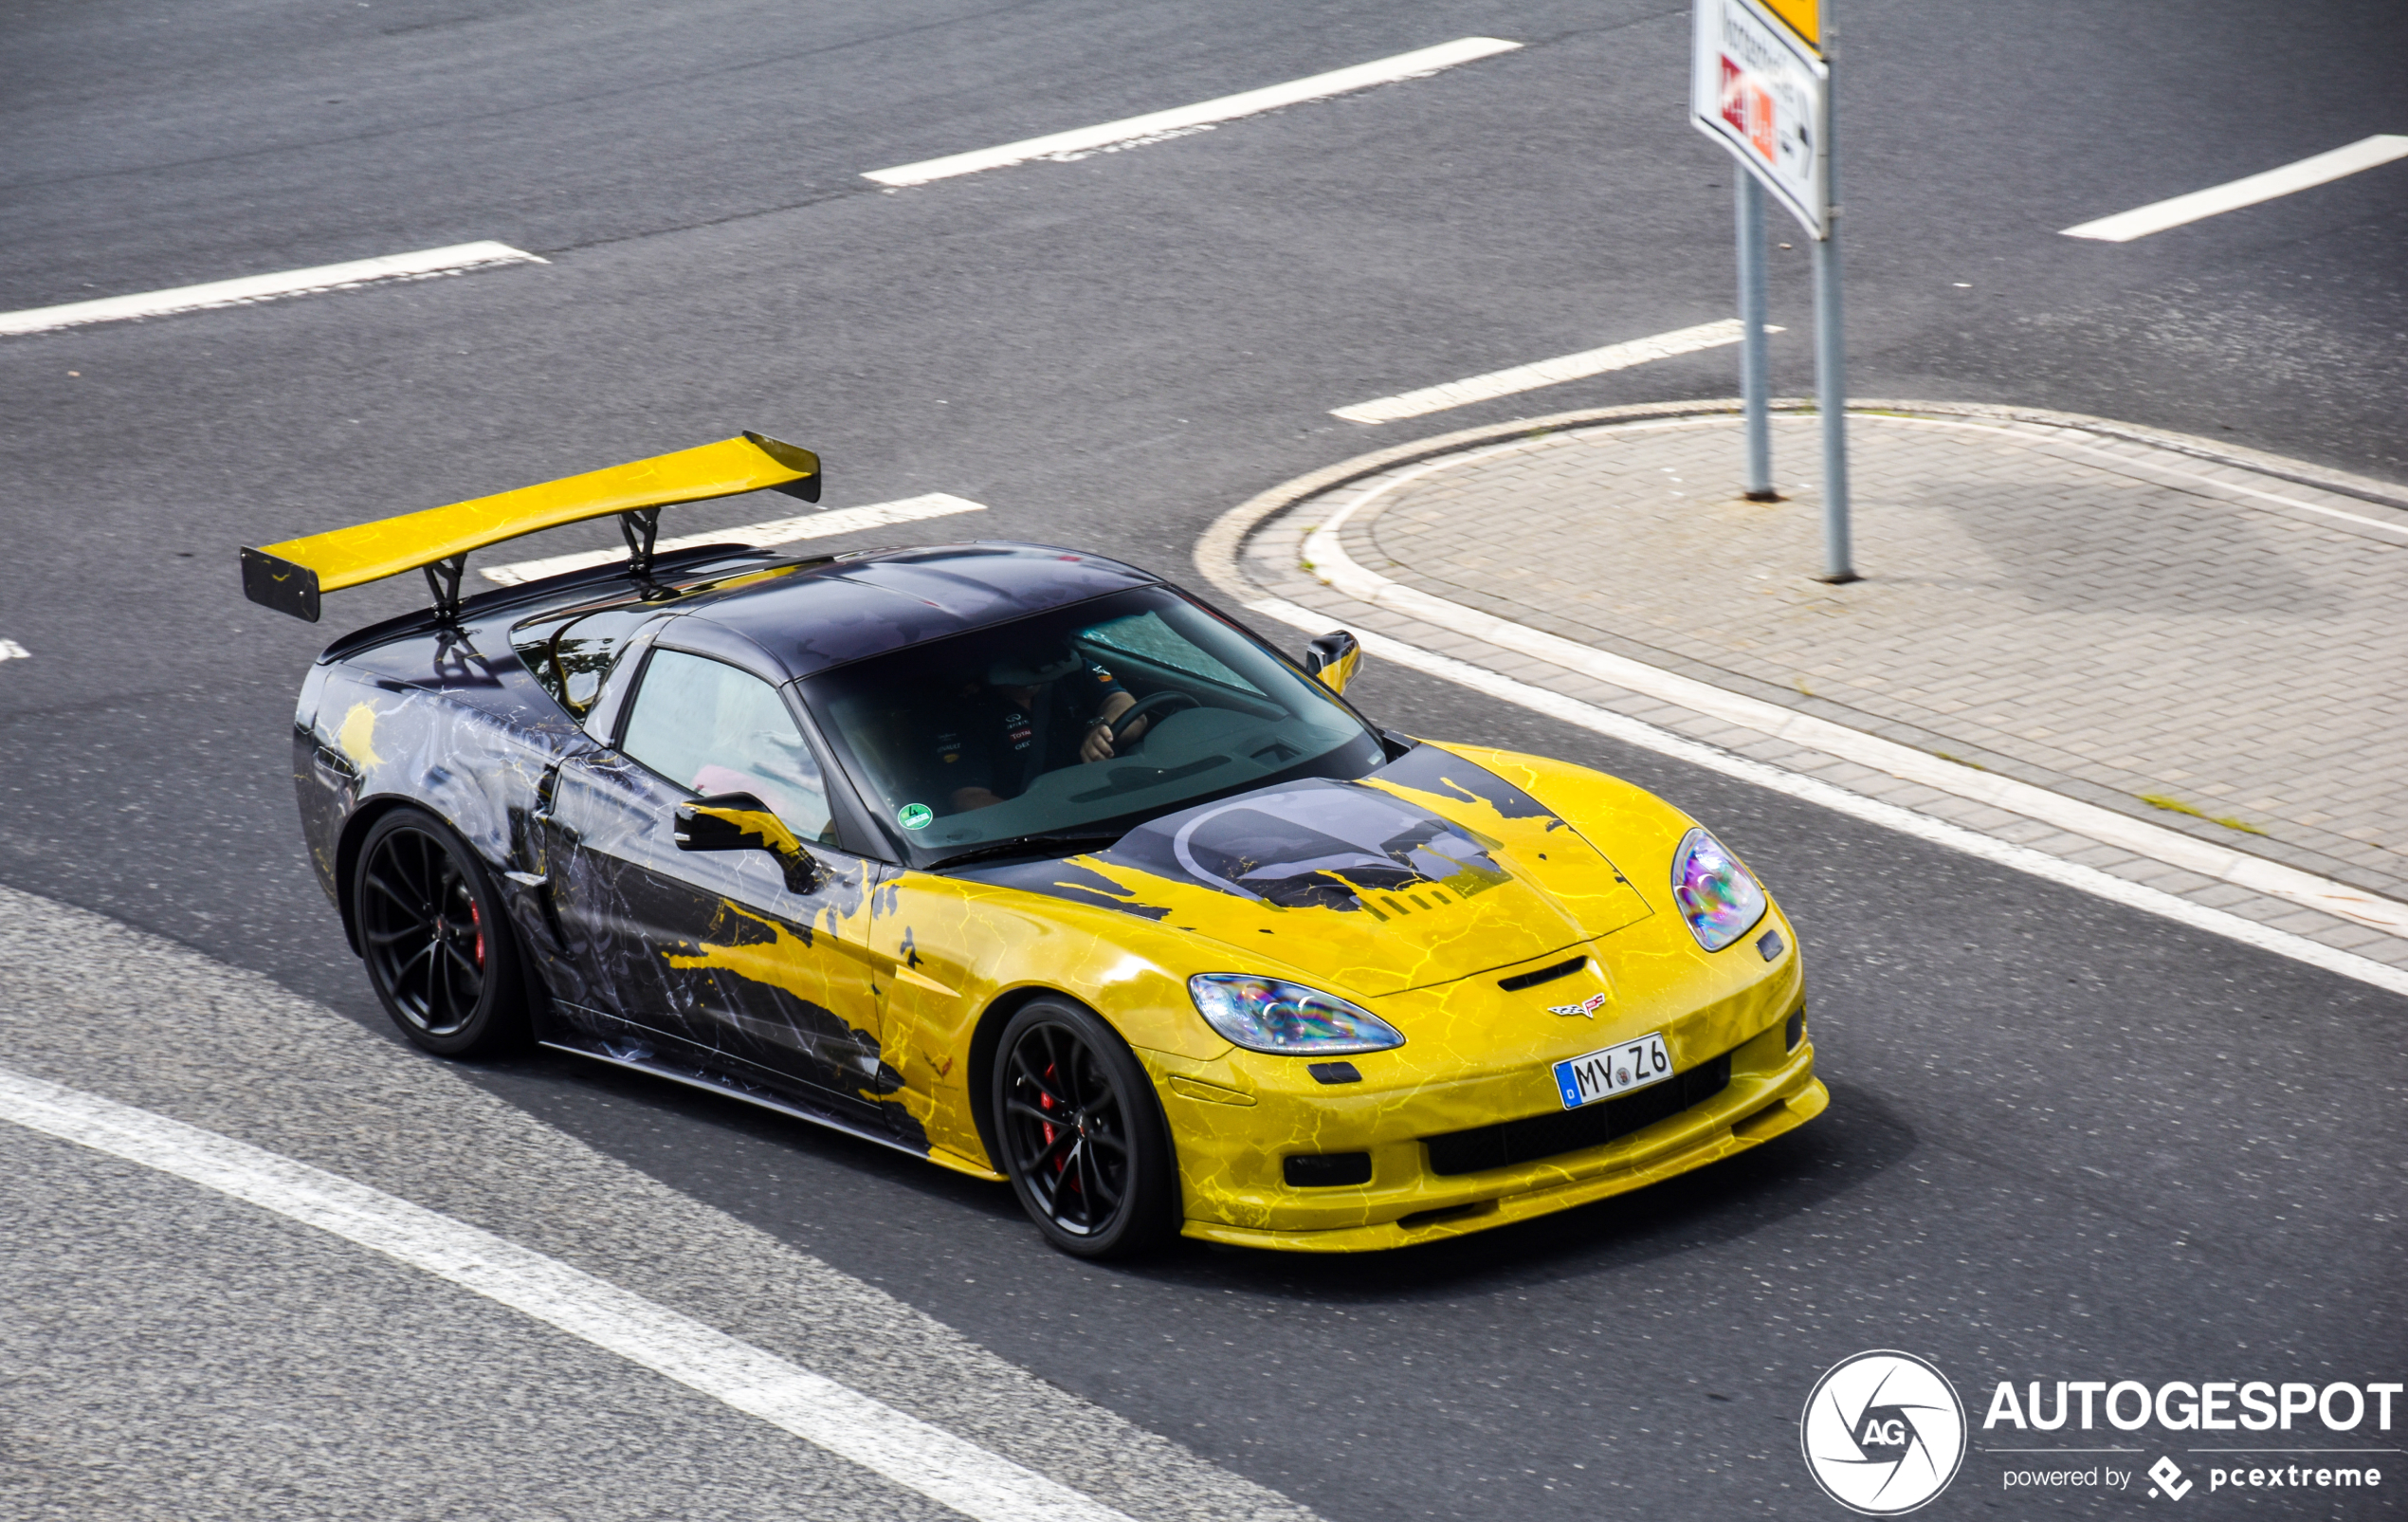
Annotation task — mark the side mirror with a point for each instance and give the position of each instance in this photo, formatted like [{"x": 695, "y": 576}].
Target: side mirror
[
  {"x": 1332, "y": 659},
  {"x": 740, "y": 821}
]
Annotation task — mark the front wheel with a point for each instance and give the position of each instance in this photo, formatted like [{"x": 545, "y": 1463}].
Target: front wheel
[
  {"x": 1083, "y": 1138},
  {"x": 439, "y": 951}
]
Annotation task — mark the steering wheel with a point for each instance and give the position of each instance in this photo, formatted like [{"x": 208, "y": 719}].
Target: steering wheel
[{"x": 1150, "y": 706}]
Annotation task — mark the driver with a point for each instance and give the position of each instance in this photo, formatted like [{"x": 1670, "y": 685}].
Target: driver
[{"x": 1037, "y": 709}]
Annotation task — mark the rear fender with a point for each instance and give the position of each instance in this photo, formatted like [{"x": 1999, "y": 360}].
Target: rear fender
[{"x": 374, "y": 744}]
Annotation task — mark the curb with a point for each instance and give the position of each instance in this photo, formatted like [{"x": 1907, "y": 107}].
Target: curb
[
  {"x": 1216, "y": 555},
  {"x": 1216, "y": 551}
]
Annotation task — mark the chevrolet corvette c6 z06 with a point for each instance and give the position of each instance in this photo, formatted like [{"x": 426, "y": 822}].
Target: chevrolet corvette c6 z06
[{"x": 1026, "y": 862}]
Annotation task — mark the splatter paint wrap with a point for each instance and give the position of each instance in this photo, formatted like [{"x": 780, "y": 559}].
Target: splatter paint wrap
[{"x": 1504, "y": 913}]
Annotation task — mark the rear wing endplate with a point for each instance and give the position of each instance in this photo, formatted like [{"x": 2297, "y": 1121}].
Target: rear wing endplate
[{"x": 291, "y": 577}]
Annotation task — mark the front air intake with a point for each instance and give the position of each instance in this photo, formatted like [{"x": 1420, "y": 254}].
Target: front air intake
[{"x": 1568, "y": 1130}]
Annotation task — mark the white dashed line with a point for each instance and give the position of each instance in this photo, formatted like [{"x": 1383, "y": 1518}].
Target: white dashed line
[
  {"x": 776, "y": 531},
  {"x": 1064, "y": 146},
  {"x": 1546, "y": 373},
  {"x": 948, "y": 1470},
  {"x": 2140, "y": 222},
  {"x": 458, "y": 259},
  {"x": 11, "y": 651}
]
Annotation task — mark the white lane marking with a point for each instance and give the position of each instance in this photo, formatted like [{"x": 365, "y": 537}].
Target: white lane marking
[
  {"x": 1332, "y": 565},
  {"x": 458, "y": 259},
  {"x": 1872, "y": 811},
  {"x": 1546, "y": 373},
  {"x": 910, "y": 1452},
  {"x": 2156, "y": 217},
  {"x": 11, "y": 651},
  {"x": 1063, "y": 146},
  {"x": 776, "y": 531}
]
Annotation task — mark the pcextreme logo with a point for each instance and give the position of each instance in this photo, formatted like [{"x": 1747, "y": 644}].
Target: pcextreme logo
[{"x": 1883, "y": 1433}]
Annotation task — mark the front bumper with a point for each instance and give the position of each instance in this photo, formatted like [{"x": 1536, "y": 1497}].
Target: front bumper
[
  {"x": 1770, "y": 1093},
  {"x": 1238, "y": 1121}
]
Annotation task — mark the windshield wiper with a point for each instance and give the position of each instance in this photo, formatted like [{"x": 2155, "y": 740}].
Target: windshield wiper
[{"x": 1031, "y": 845}]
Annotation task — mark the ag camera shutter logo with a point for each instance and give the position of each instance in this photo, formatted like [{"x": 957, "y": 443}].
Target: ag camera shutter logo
[{"x": 1883, "y": 1433}]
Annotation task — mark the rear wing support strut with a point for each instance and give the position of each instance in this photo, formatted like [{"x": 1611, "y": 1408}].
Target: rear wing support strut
[
  {"x": 443, "y": 583},
  {"x": 639, "y": 528}
]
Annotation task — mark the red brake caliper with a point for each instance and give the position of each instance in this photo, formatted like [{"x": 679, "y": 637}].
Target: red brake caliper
[
  {"x": 1045, "y": 1101},
  {"x": 477, "y": 923}
]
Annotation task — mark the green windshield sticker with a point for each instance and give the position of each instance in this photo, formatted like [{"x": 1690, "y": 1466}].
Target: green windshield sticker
[{"x": 914, "y": 816}]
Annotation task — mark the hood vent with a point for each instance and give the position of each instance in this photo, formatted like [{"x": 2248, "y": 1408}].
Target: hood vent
[{"x": 1521, "y": 981}]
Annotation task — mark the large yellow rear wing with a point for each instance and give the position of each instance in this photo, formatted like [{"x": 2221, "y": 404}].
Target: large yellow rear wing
[{"x": 290, "y": 576}]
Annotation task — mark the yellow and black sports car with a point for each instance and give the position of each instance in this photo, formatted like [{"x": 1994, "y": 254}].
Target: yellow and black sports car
[{"x": 1026, "y": 862}]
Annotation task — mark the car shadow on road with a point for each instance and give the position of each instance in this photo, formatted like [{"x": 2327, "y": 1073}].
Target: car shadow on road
[
  {"x": 559, "y": 1088},
  {"x": 746, "y": 1155},
  {"x": 1859, "y": 1138}
]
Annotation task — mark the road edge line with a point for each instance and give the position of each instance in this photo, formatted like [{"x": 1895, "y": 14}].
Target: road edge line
[
  {"x": 1831, "y": 796},
  {"x": 1216, "y": 551},
  {"x": 1338, "y": 570},
  {"x": 917, "y": 1455}
]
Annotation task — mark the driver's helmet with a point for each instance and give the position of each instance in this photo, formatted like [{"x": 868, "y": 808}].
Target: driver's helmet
[{"x": 1033, "y": 665}]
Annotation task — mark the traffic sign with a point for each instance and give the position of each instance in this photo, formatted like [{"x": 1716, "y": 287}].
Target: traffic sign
[
  {"x": 1803, "y": 17},
  {"x": 1760, "y": 90}
]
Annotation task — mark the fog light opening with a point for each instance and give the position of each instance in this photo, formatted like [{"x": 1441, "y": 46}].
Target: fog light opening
[{"x": 1326, "y": 1171}]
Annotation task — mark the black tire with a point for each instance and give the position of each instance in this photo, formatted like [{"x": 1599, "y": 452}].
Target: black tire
[
  {"x": 1082, "y": 1135},
  {"x": 436, "y": 939}
]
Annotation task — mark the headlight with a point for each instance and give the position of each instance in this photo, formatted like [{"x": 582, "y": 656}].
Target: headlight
[
  {"x": 1266, "y": 1015},
  {"x": 1717, "y": 896}
]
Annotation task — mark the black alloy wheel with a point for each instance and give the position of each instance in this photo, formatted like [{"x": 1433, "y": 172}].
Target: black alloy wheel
[
  {"x": 439, "y": 950},
  {"x": 1083, "y": 1137}
]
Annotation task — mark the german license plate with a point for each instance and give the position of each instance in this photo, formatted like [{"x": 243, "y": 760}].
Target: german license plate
[{"x": 1614, "y": 1071}]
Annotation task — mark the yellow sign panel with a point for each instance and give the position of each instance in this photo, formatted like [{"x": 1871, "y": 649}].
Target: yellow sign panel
[{"x": 1803, "y": 17}]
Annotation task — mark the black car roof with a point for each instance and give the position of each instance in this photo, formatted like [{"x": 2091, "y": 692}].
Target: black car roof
[{"x": 859, "y": 606}]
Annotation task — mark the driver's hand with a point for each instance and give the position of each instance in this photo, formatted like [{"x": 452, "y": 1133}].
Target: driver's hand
[{"x": 1098, "y": 744}]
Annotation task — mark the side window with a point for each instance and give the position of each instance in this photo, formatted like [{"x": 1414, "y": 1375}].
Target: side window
[
  {"x": 706, "y": 725},
  {"x": 571, "y": 656}
]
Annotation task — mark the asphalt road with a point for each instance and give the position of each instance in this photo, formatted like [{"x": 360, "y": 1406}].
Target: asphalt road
[{"x": 2067, "y": 1138}]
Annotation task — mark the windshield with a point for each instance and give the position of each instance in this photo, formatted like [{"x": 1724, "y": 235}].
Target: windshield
[{"x": 1083, "y": 722}]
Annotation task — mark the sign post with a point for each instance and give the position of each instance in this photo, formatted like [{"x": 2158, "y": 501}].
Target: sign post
[
  {"x": 1755, "y": 366},
  {"x": 1759, "y": 85}
]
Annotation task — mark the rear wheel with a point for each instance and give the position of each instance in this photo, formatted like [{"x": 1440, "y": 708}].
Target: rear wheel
[
  {"x": 439, "y": 951},
  {"x": 1083, "y": 1138}
]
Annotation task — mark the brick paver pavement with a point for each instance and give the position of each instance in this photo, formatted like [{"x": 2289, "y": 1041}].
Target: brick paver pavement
[{"x": 2121, "y": 622}]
